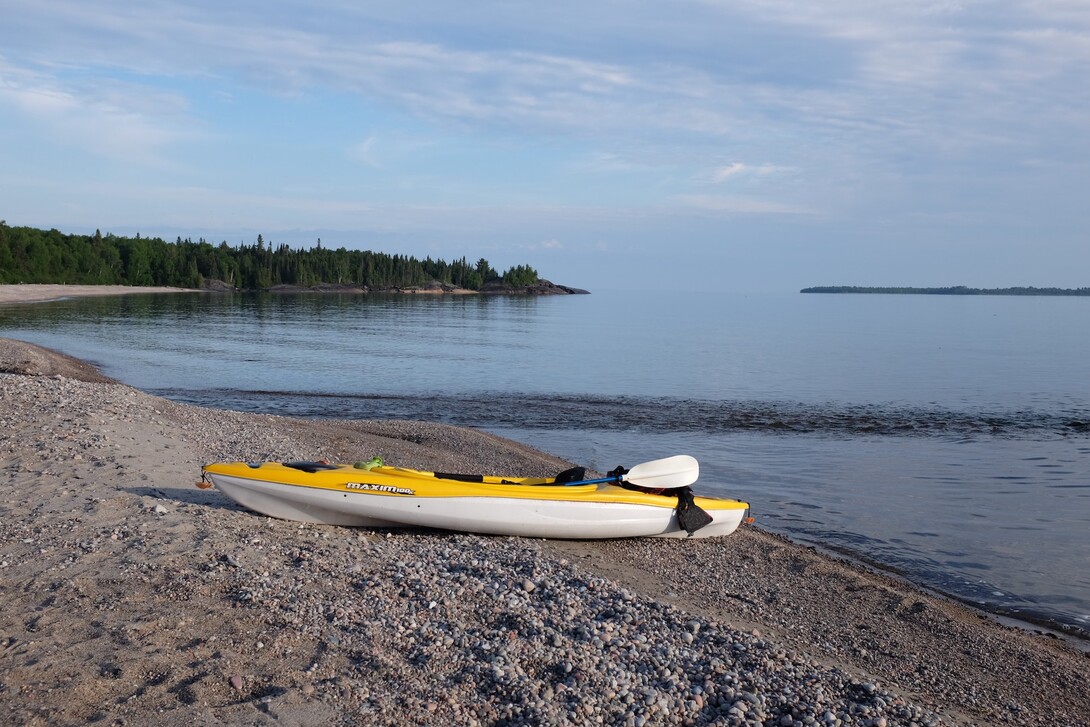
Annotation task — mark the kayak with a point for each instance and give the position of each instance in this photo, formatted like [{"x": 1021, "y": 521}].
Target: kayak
[{"x": 555, "y": 507}]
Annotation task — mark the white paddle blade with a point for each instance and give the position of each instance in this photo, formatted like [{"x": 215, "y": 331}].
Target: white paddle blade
[{"x": 664, "y": 474}]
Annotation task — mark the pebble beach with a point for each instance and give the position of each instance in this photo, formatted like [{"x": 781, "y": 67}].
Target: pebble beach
[{"x": 132, "y": 597}]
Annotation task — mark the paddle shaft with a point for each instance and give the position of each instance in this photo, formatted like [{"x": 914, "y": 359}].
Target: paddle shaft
[{"x": 618, "y": 480}]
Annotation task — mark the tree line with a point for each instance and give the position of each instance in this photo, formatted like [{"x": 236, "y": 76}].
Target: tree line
[
  {"x": 953, "y": 290},
  {"x": 31, "y": 255}
]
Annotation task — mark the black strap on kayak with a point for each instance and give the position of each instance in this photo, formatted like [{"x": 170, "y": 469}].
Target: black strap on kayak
[
  {"x": 459, "y": 478},
  {"x": 467, "y": 478},
  {"x": 690, "y": 516},
  {"x": 311, "y": 467},
  {"x": 575, "y": 474}
]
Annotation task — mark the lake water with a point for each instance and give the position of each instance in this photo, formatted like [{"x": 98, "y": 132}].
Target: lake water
[{"x": 946, "y": 438}]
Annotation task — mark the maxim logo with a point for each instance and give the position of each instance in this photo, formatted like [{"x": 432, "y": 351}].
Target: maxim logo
[{"x": 384, "y": 489}]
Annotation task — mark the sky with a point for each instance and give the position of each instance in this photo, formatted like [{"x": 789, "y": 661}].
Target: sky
[{"x": 746, "y": 145}]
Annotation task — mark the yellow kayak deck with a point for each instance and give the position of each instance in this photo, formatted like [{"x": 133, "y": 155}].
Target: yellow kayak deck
[{"x": 404, "y": 482}]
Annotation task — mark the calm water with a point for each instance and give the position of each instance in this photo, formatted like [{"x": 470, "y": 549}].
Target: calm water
[{"x": 945, "y": 437}]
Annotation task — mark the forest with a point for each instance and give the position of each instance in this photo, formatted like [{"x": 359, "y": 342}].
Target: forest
[
  {"x": 31, "y": 255},
  {"x": 954, "y": 290}
]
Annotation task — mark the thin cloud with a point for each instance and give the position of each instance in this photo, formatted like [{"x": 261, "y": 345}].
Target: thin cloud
[
  {"x": 736, "y": 170},
  {"x": 722, "y": 174},
  {"x": 903, "y": 53},
  {"x": 741, "y": 205},
  {"x": 364, "y": 152},
  {"x": 101, "y": 117}
]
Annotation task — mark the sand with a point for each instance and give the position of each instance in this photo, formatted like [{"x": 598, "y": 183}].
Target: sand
[
  {"x": 132, "y": 597},
  {"x": 39, "y": 292}
]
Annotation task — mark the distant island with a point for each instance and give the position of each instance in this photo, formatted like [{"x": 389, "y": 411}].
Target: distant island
[
  {"x": 955, "y": 290},
  {"x": 31, "y": 255}
]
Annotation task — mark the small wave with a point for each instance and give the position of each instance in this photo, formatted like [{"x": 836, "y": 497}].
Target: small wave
[{"x": 649, "y": 415}]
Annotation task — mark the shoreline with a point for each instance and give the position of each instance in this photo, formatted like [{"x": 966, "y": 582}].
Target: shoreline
[
  {"x": 45, "y": 292},
  {"x": 18, "y": 293},
  {"x": 1077, "y": 638},
  {"x": 175, "y": 596}
]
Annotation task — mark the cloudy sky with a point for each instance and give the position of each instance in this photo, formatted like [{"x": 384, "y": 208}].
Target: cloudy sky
[{"x": 747, "y": 144}]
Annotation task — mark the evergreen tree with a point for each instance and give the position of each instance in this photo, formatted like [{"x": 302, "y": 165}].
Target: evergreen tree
[
  {"x": 520, "y": 276},
  {"x": 30, "y": 255}
]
